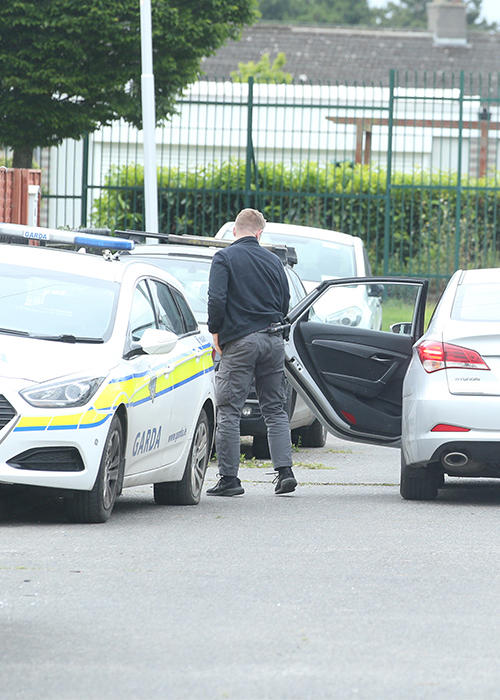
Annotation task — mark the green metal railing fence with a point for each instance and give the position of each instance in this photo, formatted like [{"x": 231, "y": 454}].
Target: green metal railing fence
[{"x": 413, "y": 167}]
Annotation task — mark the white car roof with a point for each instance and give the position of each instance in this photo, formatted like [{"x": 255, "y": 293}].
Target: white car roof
[
  {"x": 305, "y": 231},
  {"x": 174, "y": 249},
  {"x": 74, "y": 263}
]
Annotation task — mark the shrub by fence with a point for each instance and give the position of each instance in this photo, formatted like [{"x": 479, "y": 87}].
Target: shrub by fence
[{"x": 425, "y": 210}]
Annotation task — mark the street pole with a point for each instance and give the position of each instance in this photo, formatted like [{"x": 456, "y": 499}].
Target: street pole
[{"x": 148, "y": 120}]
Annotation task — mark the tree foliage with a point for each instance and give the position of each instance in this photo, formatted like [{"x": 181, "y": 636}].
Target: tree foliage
[
  {"x": 263, "y": 71},
  {"x": 317, "y": 11},
  {"x": 395, "y": 13},
  {"x": 413, "y": 14},
  {"x": 69, "y": 66}
]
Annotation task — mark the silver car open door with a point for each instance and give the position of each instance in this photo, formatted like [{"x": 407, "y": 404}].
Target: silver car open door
[{"x": 348, "y": 350}]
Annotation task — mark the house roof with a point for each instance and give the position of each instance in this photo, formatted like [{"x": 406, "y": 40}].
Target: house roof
[{"x": 349, "y": 55}]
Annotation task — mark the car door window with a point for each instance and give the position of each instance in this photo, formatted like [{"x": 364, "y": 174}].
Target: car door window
[
  {"x": 142, "y": 315},
  {"x": 369, "y": 306},
  {"x": 187, "y": 315},
  {"x": 169, "y": 316},
  {"x": 297, "y": 291}
]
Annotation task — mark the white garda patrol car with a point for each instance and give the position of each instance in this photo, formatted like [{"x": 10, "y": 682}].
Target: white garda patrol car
[{"x": 106, "y": 380}]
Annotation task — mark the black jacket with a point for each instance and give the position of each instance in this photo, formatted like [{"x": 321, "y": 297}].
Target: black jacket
[{"x": 248, "y": 290}]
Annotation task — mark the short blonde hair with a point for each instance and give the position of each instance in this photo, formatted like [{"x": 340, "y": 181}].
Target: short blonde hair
[{"x": 249, "y": 221}]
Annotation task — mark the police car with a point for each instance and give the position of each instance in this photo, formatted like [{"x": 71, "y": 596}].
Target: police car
[{"x": 106, "y": 381}]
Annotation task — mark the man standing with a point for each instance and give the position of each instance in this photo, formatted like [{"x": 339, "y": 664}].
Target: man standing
[{"x": 248, "y": 292}]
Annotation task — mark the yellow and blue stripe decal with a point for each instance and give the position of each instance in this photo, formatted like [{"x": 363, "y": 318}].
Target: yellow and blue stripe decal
[{"x": 132, "y": 390}]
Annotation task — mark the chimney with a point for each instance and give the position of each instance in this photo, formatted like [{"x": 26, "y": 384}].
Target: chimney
[{"x": 446, "y": 21}]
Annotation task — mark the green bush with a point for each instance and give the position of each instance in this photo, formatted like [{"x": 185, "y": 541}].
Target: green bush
[{"x": 351, "y": 198}]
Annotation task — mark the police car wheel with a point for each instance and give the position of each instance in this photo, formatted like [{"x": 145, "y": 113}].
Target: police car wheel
[
  {"x": 187, "y": 492},
  {"x": 96, "y": 506},
  {"x": 314, "y": 435}
]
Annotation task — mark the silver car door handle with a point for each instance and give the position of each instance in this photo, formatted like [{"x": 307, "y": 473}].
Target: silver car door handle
[{"x": 377, "y": 358}]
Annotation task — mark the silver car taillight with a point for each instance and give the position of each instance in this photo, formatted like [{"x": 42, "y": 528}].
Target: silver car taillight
[{"x": 435, "y": 355}]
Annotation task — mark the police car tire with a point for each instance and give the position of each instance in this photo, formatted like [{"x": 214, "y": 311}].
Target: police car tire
[
  {"x": 96, "y": 506},
  {"x": 314, "y": 435},
  {"x": 187, "y": 492},
  {"x": 418, "y": 483},
  {"x": 260, "y": 447}
]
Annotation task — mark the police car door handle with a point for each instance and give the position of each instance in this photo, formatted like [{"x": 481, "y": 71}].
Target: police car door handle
[{"x": 167, "y": 370}]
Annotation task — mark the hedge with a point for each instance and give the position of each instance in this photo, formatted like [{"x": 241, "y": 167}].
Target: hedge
[{"x": 345, "y": 197}]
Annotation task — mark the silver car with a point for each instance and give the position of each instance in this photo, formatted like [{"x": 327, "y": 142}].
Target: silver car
[{"x": 435, "y": 395}]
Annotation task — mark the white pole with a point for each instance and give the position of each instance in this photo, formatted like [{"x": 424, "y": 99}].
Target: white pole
[{"x": 148, "y": 120}]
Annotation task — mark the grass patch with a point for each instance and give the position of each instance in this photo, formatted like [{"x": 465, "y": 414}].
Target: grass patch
[
  {"x": 253, "y": 463},
  {"x": 395, "y": 311},
  {"x": 311, "y": 465}
]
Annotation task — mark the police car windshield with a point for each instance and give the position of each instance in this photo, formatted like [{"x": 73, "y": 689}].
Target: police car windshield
[
  {"x": 54, "y": 305},
  {"x": 193, "y": 274},
  {"x": 318, "y": 260}
]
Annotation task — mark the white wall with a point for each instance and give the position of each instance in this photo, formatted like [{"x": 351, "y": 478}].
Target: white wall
[{"x": 289, "y": 125}]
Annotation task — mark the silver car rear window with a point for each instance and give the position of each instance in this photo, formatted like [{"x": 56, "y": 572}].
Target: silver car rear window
[{"x": 477, "y": 302}]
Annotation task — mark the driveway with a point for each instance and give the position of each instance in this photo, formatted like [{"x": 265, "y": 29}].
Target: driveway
[{"x": 341, "y": 590}]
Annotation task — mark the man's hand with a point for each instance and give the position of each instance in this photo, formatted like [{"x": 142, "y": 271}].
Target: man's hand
[{"x": 215, "y": 337}]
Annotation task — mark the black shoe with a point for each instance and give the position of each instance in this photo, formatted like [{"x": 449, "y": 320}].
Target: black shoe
[
  {"x": 226, "y": 486},
  {"x": 285, "y": 481}
]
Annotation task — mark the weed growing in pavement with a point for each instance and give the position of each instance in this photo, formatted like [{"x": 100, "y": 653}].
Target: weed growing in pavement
[
  {"x": 312, "y": 465},
  {"x": 252, "y": 463},
  {"x": 334, "y": 451}
]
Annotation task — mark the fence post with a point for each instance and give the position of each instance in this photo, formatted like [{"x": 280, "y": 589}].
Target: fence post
[
  {"x": 85, "y": 180},
  {"x": 388, "y": 202},
  {"x": 458, "y": 211},
  {"x": 249, "y": 149}
]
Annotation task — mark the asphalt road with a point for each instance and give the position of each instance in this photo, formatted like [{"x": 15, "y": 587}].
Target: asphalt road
[{"x": 342, "y": 590}]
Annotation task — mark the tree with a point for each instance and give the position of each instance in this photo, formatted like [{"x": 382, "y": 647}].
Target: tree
[
  {"x": 317, "y": 11},
  {"x": 69, "y": 66},
  {"x": 263, "y": 71}
]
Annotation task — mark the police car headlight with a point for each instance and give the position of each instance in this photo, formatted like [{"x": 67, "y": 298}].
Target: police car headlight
[
  {"x": 351, "y": 316},
  {"x": 62, "y": 394}
]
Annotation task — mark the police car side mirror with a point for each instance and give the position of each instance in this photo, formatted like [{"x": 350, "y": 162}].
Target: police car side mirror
[{"x": 157, "y": 342}]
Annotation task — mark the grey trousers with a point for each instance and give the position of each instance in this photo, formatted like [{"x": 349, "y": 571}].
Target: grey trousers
[{"x": 260, "y": 356}]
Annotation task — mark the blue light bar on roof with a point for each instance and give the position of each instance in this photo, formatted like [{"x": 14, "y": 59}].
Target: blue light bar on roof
[{"x": 52, "y": 235}]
